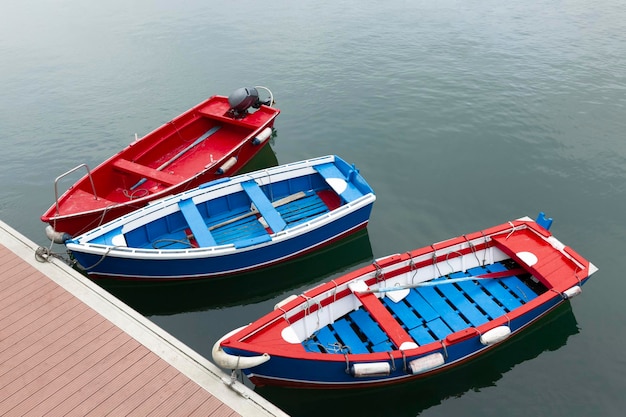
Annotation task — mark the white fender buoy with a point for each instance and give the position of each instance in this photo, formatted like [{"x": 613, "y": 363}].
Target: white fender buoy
[
  {"x": 228, "y": 361},
  {"x": 226, "y": 165},
  {"x": 426, "y": 363},
  {"x": 57, "y": 237},
  {"x": 371, "y": 369},
  {"x": 263, "y": 136},
  {"x": 572, "y": 292},
  {"x": 495, "y": 335}
]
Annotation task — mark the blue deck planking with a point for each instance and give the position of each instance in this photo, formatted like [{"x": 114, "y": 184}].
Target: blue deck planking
[
  {"x": 463, "y": 304},
  {"x": 495, "y": 287},
  {"x": 383, "y": 347},
  {"x": 439, "y": 304},
  {"x": 196, "y": 223},
  {"x": 294, "y": 213},
  {"x": 427, "y": 314},
  {"x": 403, "y": 312},
  {"x": 421, "y": 335},
  {"x": 303, "y": 209},
  {"x": 310, "y": 345},
  {"x": 216, "y": 219},
  {"x": 519, "y": 288},
  {"x": 368, "y": 326},
  {"x": 500, "y": 293},
  {"x": 327, "y": 339},
  {"x": 417, "y": 302},
  {"x": 484, "y": 301},
  {"x": 349, "y": 337},
  {"x": 439, "y": 328},
  {"x": 242, "y": 229}
]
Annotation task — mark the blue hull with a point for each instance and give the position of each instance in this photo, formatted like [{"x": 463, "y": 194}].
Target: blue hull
[
  {"x": 247, "y": 259},
  {"x": 335, "y": 374}
]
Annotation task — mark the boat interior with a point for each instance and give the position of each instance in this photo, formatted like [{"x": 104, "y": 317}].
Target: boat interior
[
  {"x": 427, "y": 313},
  {"x": 167, "y": 156},
  {"x": 244, "y": 218}
]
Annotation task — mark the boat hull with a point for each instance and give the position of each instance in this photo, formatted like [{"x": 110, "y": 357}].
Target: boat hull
[
  {"x": 162, "y": 163},
  {"x": 411, "y": 315},
  {"x": 318, "y": 374},
  {"x": 202, "y": 267}
]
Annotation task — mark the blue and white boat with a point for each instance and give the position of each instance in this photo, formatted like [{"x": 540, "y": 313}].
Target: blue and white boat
[{"x": 232, "y": 225}]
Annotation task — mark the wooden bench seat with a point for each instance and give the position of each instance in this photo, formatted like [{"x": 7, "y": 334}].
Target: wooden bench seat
[
  {"x": 382, "y": 316},
  {"x": 143, "y": 171}
]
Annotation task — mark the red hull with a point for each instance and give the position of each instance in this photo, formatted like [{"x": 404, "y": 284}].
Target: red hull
[{"x": 203, "y": 144}]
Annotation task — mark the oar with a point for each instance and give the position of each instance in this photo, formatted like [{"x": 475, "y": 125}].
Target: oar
[
  {"x": 179, "y": 154},
  {"x": 277, "y": 203},
  {"x": 491, "y": 275}
]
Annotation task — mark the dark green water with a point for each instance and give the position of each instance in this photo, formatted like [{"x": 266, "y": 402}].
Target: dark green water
[{"x": 460, "y": 114}]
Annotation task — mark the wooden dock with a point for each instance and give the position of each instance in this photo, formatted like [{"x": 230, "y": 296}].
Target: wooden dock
[{"x": 68, "y": 347}]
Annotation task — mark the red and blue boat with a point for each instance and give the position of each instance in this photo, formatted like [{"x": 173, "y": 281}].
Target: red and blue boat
[
  {"x": 232, "y": 225},
  {"x": 215, "y": 138},
  {"x": 410, "y": 315}
]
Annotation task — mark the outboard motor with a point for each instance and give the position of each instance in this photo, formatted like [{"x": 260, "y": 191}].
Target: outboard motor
[{"x": 242, "y": 99}]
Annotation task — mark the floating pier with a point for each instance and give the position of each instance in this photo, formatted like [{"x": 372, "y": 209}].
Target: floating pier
[{"x": 68, "y": 347}]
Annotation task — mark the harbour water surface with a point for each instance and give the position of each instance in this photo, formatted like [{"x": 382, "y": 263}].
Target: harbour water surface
[{"x": 461, "y": 115}]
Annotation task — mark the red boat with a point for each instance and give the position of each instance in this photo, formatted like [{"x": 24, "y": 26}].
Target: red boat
[
  {"x": 410, "y": 315},
  {"x": 216, "y": 138}
]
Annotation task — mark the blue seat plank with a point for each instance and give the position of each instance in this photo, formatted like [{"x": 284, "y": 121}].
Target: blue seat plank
[
  {"x": 442, "y": 307},
  {"x": 196, "y": 223},
  {"x": 417, "y": 302},
  {"x": 463, "y": 305},
  {"x": 405, "y": 315},
  {"x": 421, "y": 335},
  {"x": 439, "y": 328},
  {"x": 263, "y": 204},
  {"x": 368, "y": 326},
  {"x": 328, "y": 171},
  {"x": 349, "y": 337}
]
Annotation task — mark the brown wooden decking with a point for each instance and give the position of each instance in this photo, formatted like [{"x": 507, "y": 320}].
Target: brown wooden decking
[{"x": 67, "y": 347}]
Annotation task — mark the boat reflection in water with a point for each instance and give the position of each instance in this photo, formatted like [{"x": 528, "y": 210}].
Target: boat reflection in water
[
  {"x": 186, "y": 296},
  {"x": 412, "y": 398}
]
